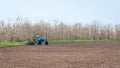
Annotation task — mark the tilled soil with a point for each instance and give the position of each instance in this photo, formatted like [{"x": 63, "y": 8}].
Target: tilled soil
[{"x": 62, "y": 55}]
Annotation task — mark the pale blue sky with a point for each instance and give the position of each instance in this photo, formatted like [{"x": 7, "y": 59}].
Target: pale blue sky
[{"x": 69, "y": 11}]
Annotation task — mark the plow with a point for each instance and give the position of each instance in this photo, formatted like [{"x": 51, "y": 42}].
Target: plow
[{"x": 38, "y": 40}]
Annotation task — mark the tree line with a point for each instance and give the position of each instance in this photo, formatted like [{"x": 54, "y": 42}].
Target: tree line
[{"x": 25, "y": 29}]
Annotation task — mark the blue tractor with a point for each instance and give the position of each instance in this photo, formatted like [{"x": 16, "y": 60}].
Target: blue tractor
[{"x": 38, "y": 40}]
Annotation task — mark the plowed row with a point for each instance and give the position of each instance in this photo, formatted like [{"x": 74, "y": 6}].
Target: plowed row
[{"x": 62, "y": 55}]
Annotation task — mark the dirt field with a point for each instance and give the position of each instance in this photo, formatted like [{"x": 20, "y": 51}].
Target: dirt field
[{"x": 62, "y": 55}]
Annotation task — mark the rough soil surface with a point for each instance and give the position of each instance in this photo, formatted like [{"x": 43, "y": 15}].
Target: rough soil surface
[{"x": 62, "y": 55}]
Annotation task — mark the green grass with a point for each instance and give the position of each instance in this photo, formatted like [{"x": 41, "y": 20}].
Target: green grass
[
  {"x": 3, "y": 44},
  {"x": 11, "y": 43},
  {"x": 59, "y": 41}
]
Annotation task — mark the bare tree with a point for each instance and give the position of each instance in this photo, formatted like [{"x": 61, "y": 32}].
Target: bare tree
[
  {"x": 24, "y": 29},
  {"x": 117, "y": 28},
  {"x": 2, "y": 32}
]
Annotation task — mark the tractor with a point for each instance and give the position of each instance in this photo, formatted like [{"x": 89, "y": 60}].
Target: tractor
[{"x": 38, "y": 40}]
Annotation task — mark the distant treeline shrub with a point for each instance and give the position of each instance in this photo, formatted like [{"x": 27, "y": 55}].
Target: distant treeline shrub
[{"x": 24, "y": 29}]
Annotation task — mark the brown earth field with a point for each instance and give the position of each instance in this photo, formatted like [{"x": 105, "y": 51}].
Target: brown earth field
[{"x": 62, "y": 55}]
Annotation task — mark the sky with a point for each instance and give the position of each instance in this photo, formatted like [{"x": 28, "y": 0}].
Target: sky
[{"x": 68, "y": 11}]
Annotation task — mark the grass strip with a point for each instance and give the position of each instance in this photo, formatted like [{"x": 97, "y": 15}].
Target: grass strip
[
  {"x": 2, "y": 44},
  {"x": 61, "y": 41},
  {"x": 11, "y": 43}
]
